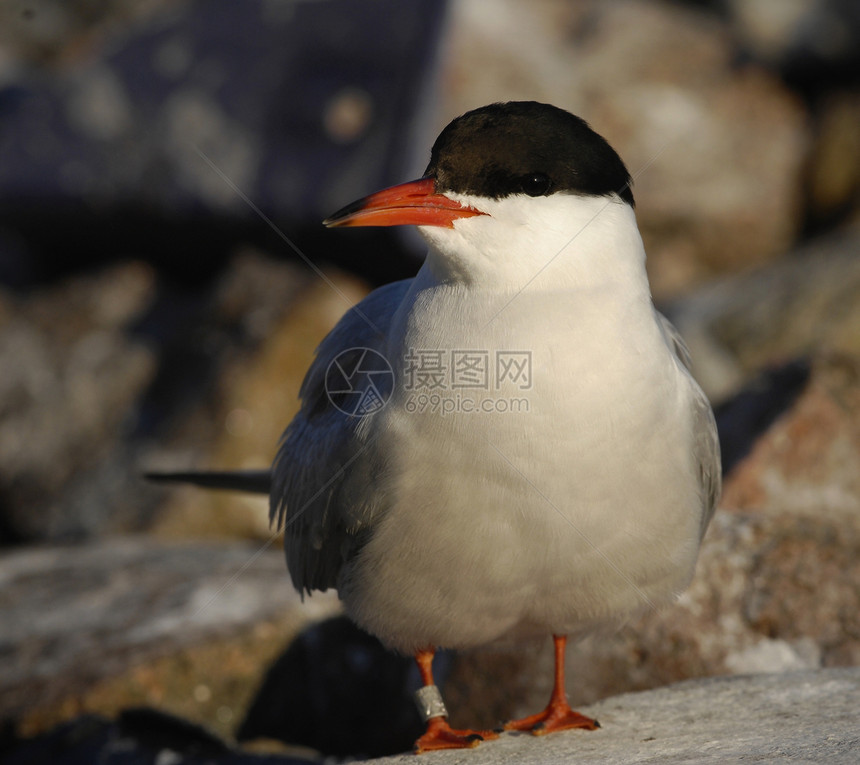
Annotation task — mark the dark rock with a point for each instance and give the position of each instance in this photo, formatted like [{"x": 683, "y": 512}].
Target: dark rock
[
  {"x": 138, "y": 737},
  {"x": 157, "y": 730},
  {"x": 337, "y": 690},
  {"x": 191, "y": 126},
  {"x": 74, "y": 743},
  {"x": 742, "y": 419}
]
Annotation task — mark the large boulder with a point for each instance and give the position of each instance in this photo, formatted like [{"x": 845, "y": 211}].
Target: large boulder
[
  {"x": 131, "y": 621},
  {"x": 717, "y": 149}
]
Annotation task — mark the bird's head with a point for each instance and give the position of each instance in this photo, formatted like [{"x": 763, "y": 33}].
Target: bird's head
[{"x": 508, "y": 185}]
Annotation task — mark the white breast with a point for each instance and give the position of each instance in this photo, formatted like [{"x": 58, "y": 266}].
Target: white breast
[{"x": 579, "y": 505}]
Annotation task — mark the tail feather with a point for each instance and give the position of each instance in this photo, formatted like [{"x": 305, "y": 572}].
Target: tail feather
[{"x": 249, "y": 481}]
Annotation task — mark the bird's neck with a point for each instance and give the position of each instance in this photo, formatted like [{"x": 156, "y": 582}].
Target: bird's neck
[{"x": 553, "y": 244}]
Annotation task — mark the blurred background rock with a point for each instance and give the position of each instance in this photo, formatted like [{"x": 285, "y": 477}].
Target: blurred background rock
[{"x": 164, "y": 279}]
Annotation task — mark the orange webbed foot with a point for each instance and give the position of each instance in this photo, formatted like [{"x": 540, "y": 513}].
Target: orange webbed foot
[
  {"x": 440, "y": 735},
  {"x": 557, "y": 716}
]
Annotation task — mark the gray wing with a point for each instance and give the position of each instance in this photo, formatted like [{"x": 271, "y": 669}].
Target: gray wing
[
  {"x": 327, "y": 457},
  {"x": 706, "y": 442},
  {"x": 674, "y": 339}
]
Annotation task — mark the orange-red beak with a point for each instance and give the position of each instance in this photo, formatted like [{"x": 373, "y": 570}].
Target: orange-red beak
[{"x": 414, "y": 203}]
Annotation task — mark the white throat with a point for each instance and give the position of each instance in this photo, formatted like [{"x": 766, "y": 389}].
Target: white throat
[{"x": 563, "y": 241}]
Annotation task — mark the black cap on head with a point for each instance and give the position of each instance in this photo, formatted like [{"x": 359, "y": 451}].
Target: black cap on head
[{"x": 525, "y": 147}]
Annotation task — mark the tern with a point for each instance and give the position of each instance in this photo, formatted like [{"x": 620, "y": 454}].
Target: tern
[{"x": 511, "y": 444}]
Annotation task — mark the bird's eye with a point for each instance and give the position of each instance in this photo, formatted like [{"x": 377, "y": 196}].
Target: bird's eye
[{"x": 535, "y": 184}]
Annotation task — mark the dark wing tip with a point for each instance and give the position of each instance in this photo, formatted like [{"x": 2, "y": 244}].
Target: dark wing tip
[{"x": 249, "y": 481}]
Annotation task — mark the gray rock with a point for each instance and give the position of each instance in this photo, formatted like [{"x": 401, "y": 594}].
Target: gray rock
[
  {"x": 70, "y": 616},
  {"x": 101, "y": 373},
  {"x": 69, "y": 376},
  {"x": 803, "y": 717},
  {"x": 807, "y": 302}
]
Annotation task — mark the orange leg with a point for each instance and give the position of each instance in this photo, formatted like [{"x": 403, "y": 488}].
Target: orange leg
[
  {"x": 439, "y": 734},
  {"x": 558, "y": 715}
]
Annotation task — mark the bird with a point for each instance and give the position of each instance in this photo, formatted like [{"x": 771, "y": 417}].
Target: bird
[{"x": 510, "y": 445}]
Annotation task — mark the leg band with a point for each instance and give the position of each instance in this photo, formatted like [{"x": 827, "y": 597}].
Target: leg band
[{"x": 429, "y": 703}]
